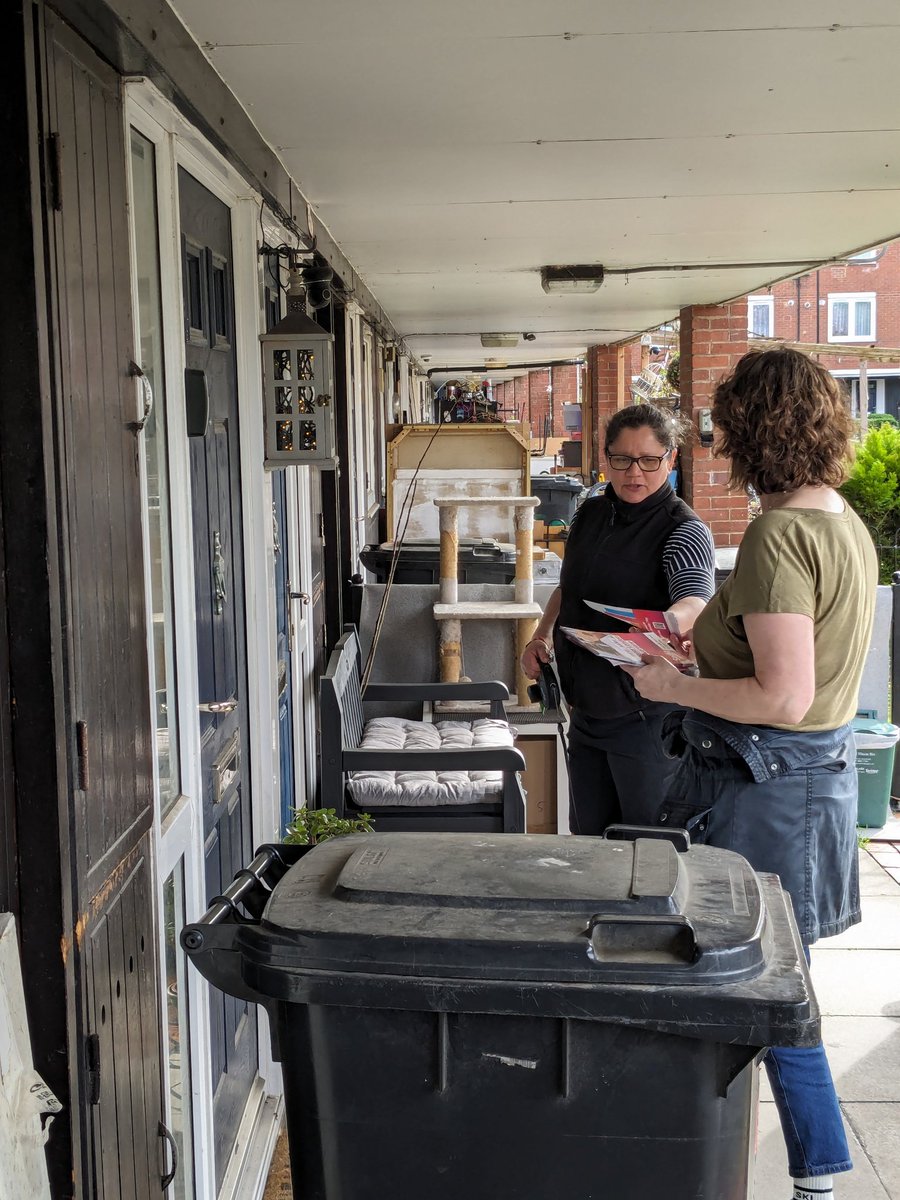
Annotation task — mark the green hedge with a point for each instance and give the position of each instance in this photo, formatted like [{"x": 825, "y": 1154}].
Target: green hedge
[{"x": 873, "y": 488}]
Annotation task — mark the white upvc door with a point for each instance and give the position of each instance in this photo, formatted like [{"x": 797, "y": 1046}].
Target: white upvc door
[{"x": 162, "y": 135}]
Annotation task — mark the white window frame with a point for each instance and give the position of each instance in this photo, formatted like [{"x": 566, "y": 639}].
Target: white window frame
[
  {"x": 852, "y": 299},
  {"x": 767, "y": 302},
  {"x": 866, "y": 256}
]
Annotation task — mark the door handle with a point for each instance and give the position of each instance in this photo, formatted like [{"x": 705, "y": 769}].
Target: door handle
[
  {"x": 218, "y": 706},
  {"x": 146, "y": 405},
  {"x": 303, "y": 597},
  {"x": 165, "y": 1133},
  {"x": 218, "y": 565}
]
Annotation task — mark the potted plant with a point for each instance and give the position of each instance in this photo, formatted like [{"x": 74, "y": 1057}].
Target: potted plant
[{"x": 309, "y": 826}]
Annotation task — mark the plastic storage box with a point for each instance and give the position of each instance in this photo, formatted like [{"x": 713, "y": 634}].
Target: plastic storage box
[
  {"x": 558, "y": 495},
  {"x": 875, "y": 747},
  {"x": 485, "y": 561},
  {"x": 515, "y": 1016}
]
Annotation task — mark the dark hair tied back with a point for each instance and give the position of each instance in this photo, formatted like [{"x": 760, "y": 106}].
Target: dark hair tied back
[{"x": 668, "y": 428}]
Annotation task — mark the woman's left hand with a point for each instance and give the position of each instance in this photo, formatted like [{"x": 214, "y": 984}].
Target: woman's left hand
[{"x": 657, "y": 679}]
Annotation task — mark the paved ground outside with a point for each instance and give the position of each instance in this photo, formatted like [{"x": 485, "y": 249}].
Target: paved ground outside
[{"x": 857, "y": 980}]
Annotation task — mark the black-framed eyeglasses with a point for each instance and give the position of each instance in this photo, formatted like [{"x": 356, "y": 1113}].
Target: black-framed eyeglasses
[{"x": 647, "y": 462}]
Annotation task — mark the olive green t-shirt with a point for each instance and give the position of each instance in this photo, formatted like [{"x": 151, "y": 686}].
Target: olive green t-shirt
[{"x": 799, "y": 560}]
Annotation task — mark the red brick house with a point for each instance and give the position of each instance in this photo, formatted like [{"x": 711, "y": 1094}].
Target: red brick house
[{"x": 850, "y": 304}]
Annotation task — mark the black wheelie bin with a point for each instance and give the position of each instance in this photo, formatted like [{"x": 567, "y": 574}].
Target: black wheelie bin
[{"x": 514, "y": 1017}]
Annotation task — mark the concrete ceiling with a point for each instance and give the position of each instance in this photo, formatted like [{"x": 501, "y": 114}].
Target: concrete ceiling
[{"x": 453, "y": 149}]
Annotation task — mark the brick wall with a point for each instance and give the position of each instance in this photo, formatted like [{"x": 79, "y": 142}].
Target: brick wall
[
  {"x": 800, "y": 309},
  {"x": 713, "y": 338},
  {"x": 604, "y": 372}
]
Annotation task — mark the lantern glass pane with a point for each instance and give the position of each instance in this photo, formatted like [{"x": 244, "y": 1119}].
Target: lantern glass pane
[
  {"x": 305, "y": 399},
  {"x": 284, "y": 400},
  {"x": 306, "y": 364},
  {"x": 282, "y": 361},
  {"x": 308, "y": 435},
  {"x": 284, "y": 436}
]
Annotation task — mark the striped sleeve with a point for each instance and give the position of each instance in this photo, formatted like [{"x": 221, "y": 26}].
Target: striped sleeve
[{"x": 689, "y": 562}]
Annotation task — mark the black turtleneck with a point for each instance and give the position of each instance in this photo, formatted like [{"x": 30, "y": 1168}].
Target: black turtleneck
[{"x": 614, "y": 554}]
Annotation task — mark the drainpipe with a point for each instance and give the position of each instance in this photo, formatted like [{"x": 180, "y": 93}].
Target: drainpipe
[{"x": 818, "y": 338}]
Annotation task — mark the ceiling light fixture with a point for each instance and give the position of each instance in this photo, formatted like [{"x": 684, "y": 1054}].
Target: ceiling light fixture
[
  {"x": 499, "y": 339},
  {"x": 571, "y": 280}
]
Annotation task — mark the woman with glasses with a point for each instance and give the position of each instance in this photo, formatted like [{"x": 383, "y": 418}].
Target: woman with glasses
[
  {"x": 640, "y": 546},
  {"x": 767, "y": 755}
]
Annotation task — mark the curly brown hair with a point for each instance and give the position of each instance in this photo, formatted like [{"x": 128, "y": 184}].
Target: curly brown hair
[{"x": 783, "y": 421}]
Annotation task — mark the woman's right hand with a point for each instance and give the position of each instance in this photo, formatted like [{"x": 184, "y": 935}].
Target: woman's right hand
[{"x": 538, "y": 651}]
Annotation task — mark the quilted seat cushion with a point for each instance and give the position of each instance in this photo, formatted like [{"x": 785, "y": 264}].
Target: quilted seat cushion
[{"x": 371, "y": 789}]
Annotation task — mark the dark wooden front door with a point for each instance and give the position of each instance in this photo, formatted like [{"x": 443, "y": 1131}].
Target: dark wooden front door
[
  {"x": 221, "y": 628},
  {"x": 117, "y": 1028}
]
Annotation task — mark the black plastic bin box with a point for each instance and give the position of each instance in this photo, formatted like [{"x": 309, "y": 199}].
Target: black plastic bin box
[
  {"x": 514, "y": 1016},
  {"x": 558, "y": 496},
  {"x": 480, "y": 561}
]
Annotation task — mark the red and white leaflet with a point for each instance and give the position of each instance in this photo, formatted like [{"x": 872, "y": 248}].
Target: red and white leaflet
[
  {"x": 647, "y": 619},
  {"x": 627, "y": 648}
]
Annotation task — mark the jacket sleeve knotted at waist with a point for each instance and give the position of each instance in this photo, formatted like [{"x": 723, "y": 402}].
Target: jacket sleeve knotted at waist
[{"x": 768, "y": 753}]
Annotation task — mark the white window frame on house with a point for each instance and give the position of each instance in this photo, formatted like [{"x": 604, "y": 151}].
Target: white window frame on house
[
  {"x": 867, "y": 256},
  {"x": 852, "y": 299},
  {"x": 766, "y": 302}
]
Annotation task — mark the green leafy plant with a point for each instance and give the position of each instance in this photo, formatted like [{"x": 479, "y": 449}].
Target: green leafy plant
[
  {"x": 312, "y": 825},
  {"x": 673, "y": 372},
  {"x": 878, "y": 419},
  {"x": 873, "y": 488}
]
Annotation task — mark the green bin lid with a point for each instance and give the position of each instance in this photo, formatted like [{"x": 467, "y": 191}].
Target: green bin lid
[{"x": 874, "y": 735}]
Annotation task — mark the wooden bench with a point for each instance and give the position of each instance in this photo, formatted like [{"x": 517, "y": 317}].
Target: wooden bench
[{"x": 343, "y": 725}]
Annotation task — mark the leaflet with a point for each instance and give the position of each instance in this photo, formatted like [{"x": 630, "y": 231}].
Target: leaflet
[
  {"x": 627, "y": 649},
  {"x": 647, "y": 619}
]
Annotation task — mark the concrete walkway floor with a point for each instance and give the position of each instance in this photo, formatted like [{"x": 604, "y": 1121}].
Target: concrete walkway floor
[{"x": 857, "y": 981}]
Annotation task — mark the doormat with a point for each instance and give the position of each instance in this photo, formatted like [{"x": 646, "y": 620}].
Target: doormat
[{"x": 279, "y": 1185}]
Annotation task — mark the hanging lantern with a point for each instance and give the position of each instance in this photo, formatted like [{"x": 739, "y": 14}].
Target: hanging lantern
[{"x": 298, "y": 387}]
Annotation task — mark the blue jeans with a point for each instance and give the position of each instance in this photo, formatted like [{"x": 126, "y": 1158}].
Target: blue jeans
[{"x": 808, "y": 1109}]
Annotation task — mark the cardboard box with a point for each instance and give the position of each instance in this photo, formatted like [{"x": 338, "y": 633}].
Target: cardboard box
[
  {"x": 551, "y": 537},
  {"x": 539, "y": 780}
]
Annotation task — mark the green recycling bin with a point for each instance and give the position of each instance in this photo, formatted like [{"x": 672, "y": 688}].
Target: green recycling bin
[{"x": 875, "y": 744}]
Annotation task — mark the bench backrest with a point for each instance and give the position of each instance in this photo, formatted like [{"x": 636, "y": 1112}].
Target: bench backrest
[{"x": 342, "y": 710}]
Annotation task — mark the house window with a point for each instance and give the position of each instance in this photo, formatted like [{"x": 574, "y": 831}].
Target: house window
[
  {"x": 851, "y": 317},
  {"x": 866, "y": 256},
  {"x": 761, "y": 316}
]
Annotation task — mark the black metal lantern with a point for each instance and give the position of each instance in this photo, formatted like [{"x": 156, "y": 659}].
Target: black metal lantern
[{"x": 298, "y": 390}]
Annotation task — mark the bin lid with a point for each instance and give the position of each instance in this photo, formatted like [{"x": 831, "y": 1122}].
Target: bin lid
[
  {"x": 555, "y": 483},
  {"x": 561, "y": 919},
  {"x": 869, "y": 734}
]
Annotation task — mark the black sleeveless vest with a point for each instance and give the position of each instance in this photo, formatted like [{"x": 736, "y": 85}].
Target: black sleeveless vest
[{"x": 613, "y": 555}]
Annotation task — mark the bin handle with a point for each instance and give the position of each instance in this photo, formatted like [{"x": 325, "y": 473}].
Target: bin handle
[
  {"x": 680, "y": 838},
  {"x": 616, "y": 938},
  {"x": 251, "y": 888}
]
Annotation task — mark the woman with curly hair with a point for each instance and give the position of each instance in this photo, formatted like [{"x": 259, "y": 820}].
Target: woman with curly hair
[{"x": 767, "y": 762}]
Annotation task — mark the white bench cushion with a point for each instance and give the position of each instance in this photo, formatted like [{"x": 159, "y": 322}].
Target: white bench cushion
[{"x": 371, "y": 789}]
